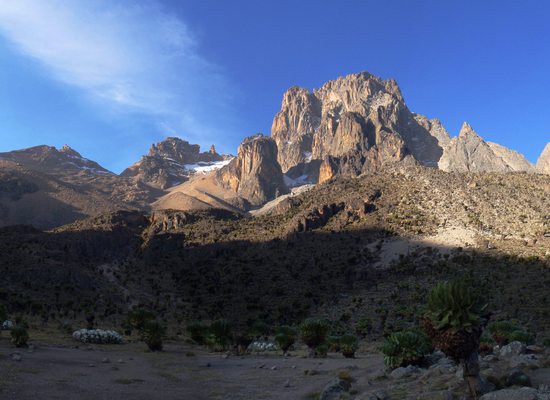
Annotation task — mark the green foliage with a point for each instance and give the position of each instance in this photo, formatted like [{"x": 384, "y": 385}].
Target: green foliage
[
  {"x": 198, "y": 331},
  {"x": 363, "y": 327},
  {"x": 333, "y": 343},
  {"x": 313, "y": 332},
  {"x": 137, "y": 319},
  {"x": 285, "y": 337},
  {"x": 403, "y": 348},
  {"x": 349, "y": 345},
  {"x": 19, "y": 335},
  {"x": 504, "y": 332},
  {"x": 152, "y": 334},
  {"x": 321, "y": 351},
  {"x": 220, "y": 333},
  {"x": 452, "y": 305}
]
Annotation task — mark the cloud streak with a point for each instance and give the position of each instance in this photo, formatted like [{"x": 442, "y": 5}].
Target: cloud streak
[{"x": 130, "y": 55}]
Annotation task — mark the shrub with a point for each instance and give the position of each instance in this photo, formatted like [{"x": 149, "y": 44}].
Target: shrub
[
  {"x": 321, "y": 351},
  {"x": 19, "y": 335},
  {"x": 285, "y": 337},
  {"x": 260, "y": 328},
  {"x": 363, "y": 327},
  {"x": 138, "y": 318},
  {"x": 504, "y": 332},
  {"x": 152, "y": 334},
  {"x": 198, "y": 332},
  {"x": 333, "y": 343},
  {"x": 220, "y": 332},
  {"x": 97, "y": 336},
  {"x": 349, "y": 345},
  {"x": 314, "y": 332},
  {"x": 407, "y": 347}
]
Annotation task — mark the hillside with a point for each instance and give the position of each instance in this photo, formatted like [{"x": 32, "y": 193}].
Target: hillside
[{"x": 380, "y": 238}]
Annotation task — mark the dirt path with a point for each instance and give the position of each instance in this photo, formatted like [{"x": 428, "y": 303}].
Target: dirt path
[{"x": 180, "y": 372}]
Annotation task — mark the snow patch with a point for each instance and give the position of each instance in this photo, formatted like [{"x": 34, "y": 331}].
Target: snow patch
[{"x": 204, "y": 167}]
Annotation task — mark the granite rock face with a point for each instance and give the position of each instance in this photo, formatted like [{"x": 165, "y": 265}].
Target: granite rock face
[
  {"x": 543, "y": 163},
  {"x": 354, "y": 124},
  {"x": 468, "y": 152},
  {"x": 255, "y": 175}
]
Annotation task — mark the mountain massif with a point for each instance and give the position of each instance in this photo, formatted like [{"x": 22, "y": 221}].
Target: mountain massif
[{"x": 354, "y": 125}]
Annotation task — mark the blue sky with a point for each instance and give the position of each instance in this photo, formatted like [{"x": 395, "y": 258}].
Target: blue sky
[{"x": 110, "y": 77}]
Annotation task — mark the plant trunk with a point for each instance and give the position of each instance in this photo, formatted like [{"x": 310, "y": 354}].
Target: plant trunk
[{"x": 471, "y": 374}]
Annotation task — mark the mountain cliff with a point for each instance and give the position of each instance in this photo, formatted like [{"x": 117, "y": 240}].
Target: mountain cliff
[{"x": 354, "y": 124}]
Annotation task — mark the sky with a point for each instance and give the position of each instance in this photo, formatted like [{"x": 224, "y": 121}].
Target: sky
[{"x": 111, "y": 77}]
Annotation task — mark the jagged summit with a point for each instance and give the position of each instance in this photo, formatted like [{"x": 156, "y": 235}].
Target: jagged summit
[
  {"x": 467, "y": 131},
  {"x": 354, "y": 124},
  {"x": 173, "y": 161}
]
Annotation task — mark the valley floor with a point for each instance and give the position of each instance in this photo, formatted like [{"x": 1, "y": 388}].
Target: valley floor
[{"x": 49, "y": 371}]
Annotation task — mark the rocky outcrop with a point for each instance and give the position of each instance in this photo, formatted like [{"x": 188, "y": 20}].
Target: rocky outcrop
[
  {"x": 255, "y": 175},
  {"x": 543, "y": 163},
  {"x": 171, "y": 162},
  {"x": 354, "y": 124},
  {"x": 469, "y": 152}
]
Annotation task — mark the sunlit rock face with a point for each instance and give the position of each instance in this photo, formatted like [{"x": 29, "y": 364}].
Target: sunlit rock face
[
  {"x": 255, "y": 175},
  {"x": 354, "y": 124}
]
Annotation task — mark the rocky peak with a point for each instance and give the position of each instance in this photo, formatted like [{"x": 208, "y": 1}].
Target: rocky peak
[
  {"x": 359, "y": 117},
  {"x": 66, "y": 149},
  {"x": 255, "y": 175},
  {"x": 469, "y": 152},
  {"x": 466, "y": 131},
  {"x": 48, "y": 159},
  {"x": 171, "y": 162},
  {"x": 543, "y": 163}
]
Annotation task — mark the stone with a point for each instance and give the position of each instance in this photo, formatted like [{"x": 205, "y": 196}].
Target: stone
[
  {"x": 517, "y": 377},
  {"x": 529, "y": 361},
  {"x": 15, "y": 357},
  {"x": 335, "y": 390},
  {"x": 403, "y": 372},
  {"x": 379, "y": 394},
  {"x": 534, "y": 349},
  {"x": 287, "y": 383},
  {"x": 512, "y": 349}
]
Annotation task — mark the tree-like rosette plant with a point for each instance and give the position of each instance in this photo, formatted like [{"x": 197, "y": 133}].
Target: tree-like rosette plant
[
  {"x": 285, "y": 337},
  {"x": 404, "y": 348},
  {"x": 313, "y": 332},
  {"x": 153, "y": 334},
  {"x": 454, "y": 323},
  {"x": 349, "y": 345}
]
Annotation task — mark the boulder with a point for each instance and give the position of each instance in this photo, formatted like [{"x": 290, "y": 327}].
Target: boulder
[
  {"x": 516, "y": 377},
  {"x": 512, "y": 349},
  {"x": 335, "y": 390},
  {"x": 512, "y": 394}
]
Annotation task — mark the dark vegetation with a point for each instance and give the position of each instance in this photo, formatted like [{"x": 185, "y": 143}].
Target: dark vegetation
[{"x": 259, "y": 274}]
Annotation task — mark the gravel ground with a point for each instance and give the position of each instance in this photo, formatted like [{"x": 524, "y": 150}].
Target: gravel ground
[{"x": 48, "y": 371}]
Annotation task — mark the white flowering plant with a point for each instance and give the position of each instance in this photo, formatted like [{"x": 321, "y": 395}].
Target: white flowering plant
[{"x": 97, "y": 336}]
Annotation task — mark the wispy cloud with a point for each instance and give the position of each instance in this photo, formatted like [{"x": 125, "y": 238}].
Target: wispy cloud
[{"x": 130, "y": 55}]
